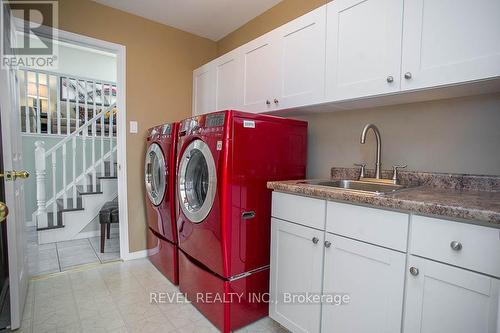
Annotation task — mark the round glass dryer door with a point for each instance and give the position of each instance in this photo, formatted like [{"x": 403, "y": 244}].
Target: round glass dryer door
[
  {"x": 155, "y": 174},
  {"x": 197, "y": 181}
]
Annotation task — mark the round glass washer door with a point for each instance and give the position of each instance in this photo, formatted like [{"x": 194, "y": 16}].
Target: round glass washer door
[
  {"x": 155, "y": 174},
  {"x": 197, "y": 181}
]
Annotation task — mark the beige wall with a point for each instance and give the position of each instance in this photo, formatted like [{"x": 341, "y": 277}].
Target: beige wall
[
  {"x": 457, "y": 135},
  {"x": 160, "y": 61},
  {"x": 278, "y": 15}
]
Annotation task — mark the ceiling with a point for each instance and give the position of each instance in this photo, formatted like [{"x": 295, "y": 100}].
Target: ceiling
[{"x": 212, "y": 19}]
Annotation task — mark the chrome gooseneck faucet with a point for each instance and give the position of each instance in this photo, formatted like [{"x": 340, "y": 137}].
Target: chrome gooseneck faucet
[{"x": 379, "y": 146}]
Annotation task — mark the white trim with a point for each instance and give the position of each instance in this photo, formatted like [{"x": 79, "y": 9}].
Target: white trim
[
  {"x": 135, "y": 255},
  {"x": 120, "y": 51}
]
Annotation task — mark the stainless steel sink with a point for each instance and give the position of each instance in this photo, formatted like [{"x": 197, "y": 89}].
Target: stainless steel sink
[{"x": 358, "y": 185}]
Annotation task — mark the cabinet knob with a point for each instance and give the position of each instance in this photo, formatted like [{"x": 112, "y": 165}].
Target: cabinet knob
[
  {"x": 276, "y": 101},
  {"x": 456, "y": 246},
  {"x": 414, "y": 271},
  {"x": 328, "y": 244},
  {"x": 268, "y": 102},
  {"x": 315, "y": 240},
  {"x": 407, "y": 75},
  {"x": 390, "y": 79}
]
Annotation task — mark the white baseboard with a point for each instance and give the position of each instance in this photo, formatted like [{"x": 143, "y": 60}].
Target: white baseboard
[
  {"x": 95, "y": 233},
  {"x": 135, "y": 255}
]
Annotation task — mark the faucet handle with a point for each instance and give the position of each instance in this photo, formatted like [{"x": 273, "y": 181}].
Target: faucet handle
[
  {"x": 362, "y": 166},
  {"x": 395, "y": 169}
]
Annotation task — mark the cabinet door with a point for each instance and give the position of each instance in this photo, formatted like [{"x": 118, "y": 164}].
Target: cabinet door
[
  {"x": 260, "y": 73},
  {"x": 296, "y": 268},
  {"x": 373, "y": 277},
  {"x": 203, "y": 89},
  {"x": 363, "y": 50},
  {"x": 442, "y": 298},
  {"x": 301, "y": 45},
  {"x": 228, "y": 81},
  {"x": 450, "y": 41}
]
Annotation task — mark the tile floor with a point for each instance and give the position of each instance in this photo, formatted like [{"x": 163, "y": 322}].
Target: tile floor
[
  {"x": 114, "y": 297},
  {"x": 61, "y": 256}
]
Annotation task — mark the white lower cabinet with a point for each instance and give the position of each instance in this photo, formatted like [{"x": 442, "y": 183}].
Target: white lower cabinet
[
  {"x": 373, "y": 279},
  {"x": 296, "y": 269},
  {"x": 365, "y": 280},
  {"x": 442, "y": 298}
]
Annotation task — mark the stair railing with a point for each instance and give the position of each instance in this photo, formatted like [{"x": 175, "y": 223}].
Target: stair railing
[{"x": 41, "y": 156}]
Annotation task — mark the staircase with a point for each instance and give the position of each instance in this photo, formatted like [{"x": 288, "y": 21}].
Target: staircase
[{"x": 78, "y": 182}]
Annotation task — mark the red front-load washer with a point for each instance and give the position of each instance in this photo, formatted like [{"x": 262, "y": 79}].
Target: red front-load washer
[
  {"x": 159, "y": 177},
  {"x": 225, "y": 160}
]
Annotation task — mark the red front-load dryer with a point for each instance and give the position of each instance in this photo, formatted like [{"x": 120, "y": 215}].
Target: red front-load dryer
[
  {"x": 160, "y": 177},
  {"x": 225, "y": 160}
]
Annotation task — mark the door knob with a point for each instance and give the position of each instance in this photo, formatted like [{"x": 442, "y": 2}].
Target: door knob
[
  {"x": 268, "y": 102},
  {"x": 328, "y": 244},
  {"x": 408, "y": 75},
  {"x": 390, "y": 79},
  {"x": 414, "y": 271},
  {"x": 4, "y": 211},
  {"x": 315, "y": 240},
  {"x": 276, "y": 101},
  {"x": 13, "y": 175}
]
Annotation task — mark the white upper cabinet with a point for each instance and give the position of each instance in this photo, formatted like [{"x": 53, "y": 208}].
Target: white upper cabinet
[
  {"x": 228, "y": 81},
  {"x": 301, "y": 57},
  {"x": 450, "y": 41},
  {"x": 357, "y": 49},
  {"x": 203, "y": 89},
  {"x": 442, "y": 298},
  {"x": 373, "y": 278},
  {"x": 363, "y": 48},
  {"x": 260, "y": 72}
]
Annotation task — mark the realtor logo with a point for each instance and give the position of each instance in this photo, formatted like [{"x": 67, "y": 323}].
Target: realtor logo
[{"x": 29, "y": 30}]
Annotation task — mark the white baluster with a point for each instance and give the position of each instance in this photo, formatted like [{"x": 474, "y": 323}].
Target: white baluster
[
  {"x": 58, "y": 103},
  {"x": 94, "y": 179},
  {"x": 38, "y": 111},
  {"x": 86, "y": 108},
  {"x": 40, "y": 166},
  {"x": 65, "y": 194},
  {"x": 77, "y": 104},
  {"x": 68, "y": 115},
  {"x": 27, "y": 111},
  {"x": 84, "y": 155},
  {"x": 103, "y": 129},
  {"x": 49, "y": 113},
  {"x": 74, "y": 170},
  {"x": 54, "y": 186},
  {"x": 111, "y": 157}
]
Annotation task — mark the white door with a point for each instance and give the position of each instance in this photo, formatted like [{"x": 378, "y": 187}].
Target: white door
[
  {"x": 363, "y": 49},
  {"x": 450, "y": 41},
  {"x": 442, "y": 298},
  {"x": 260, "y": 72},
  {"x": 203, "y": 89},
  {"x": 228, "y": 81},
  {"x": 301, "y": 45},
  {"x": 14, "y": 195},
  {"x": 373, "y": 277},
  {"x": 296, "y": 269}
]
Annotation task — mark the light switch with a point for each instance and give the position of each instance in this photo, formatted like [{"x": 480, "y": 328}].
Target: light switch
[{"x": 134, "y": 127}]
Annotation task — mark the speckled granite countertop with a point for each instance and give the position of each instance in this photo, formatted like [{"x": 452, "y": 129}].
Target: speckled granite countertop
[{"x": 474, "y": 199}]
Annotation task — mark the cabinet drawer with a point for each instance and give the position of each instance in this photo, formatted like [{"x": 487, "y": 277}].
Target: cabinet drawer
[
  {"x": 478, "y": 249},
  {"x": 303, "y": 210},
  {"x": 376, "y": 226}
]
